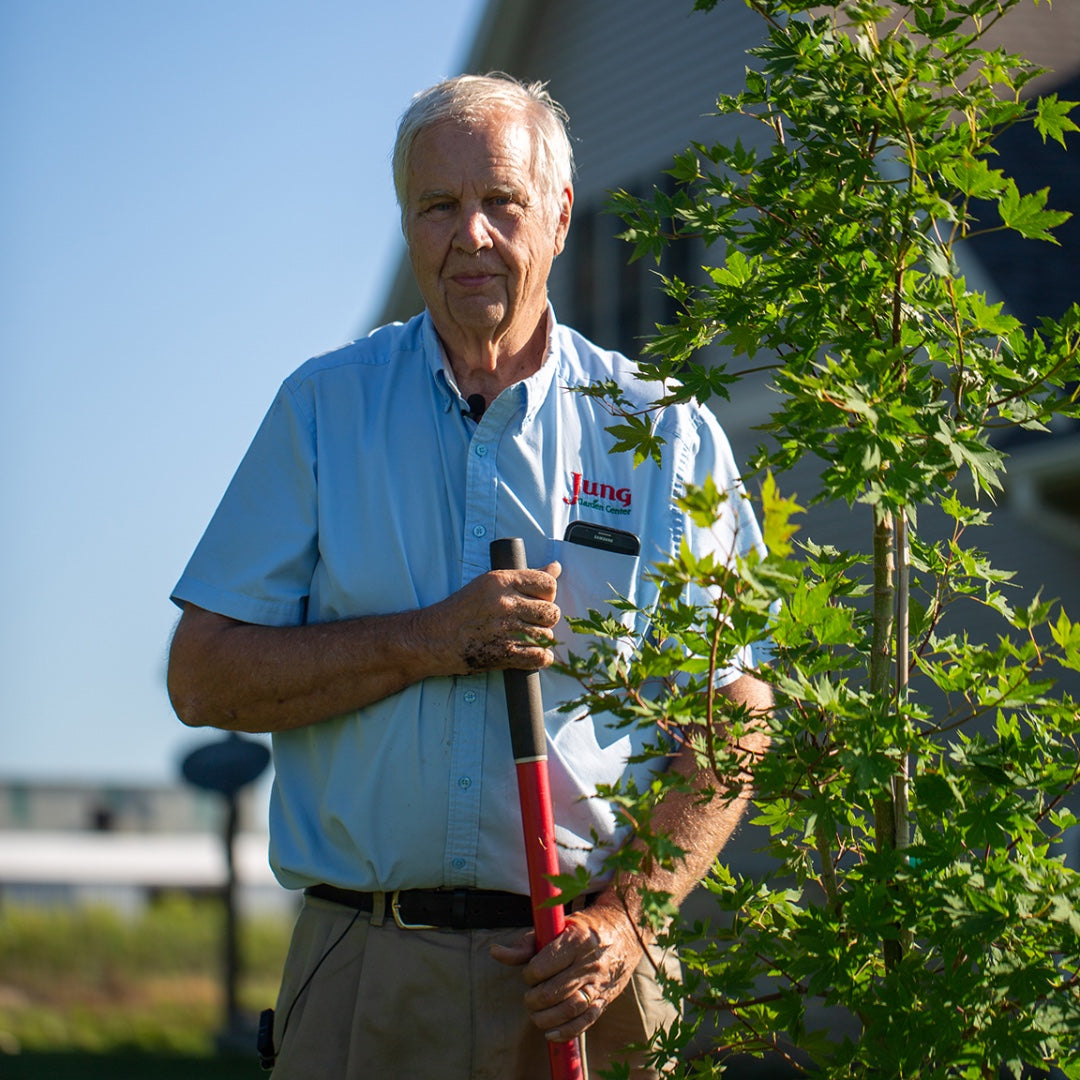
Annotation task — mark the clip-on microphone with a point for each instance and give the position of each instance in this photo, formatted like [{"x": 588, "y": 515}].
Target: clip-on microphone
[{"x": 477, "y": 405}]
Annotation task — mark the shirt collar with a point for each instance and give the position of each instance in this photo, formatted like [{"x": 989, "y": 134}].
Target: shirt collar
[
  {"x": 437, "y": 363},
  {"x": 534, "y": 389}
]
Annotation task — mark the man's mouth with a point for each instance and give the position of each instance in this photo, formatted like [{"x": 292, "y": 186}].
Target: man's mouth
[
  {"x": 471, "y": 270},
  {"x": 471, "y": 280}
]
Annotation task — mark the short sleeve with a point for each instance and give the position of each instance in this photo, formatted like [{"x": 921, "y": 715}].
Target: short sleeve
[
  {"x": 256, "y": 559},
  {"x": 734, "y": 536}
]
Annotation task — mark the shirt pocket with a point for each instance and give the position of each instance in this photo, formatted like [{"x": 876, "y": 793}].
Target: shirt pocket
[{"x": 592, "y": 579}]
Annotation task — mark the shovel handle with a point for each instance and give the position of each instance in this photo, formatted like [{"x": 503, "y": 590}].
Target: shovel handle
[{"x": 528, "y": 741}]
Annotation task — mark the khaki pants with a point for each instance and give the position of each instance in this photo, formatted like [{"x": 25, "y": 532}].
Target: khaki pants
[{"x": 428, "y": 1005}]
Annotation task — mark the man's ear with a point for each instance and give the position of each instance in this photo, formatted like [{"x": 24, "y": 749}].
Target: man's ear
[{"x": 566, "y": 203}]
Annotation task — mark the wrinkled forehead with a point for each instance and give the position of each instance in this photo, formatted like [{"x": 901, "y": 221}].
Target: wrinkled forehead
[{"x": 490, "y": 148}]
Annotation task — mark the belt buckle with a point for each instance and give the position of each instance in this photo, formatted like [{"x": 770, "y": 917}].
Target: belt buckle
[{"x": 395, "y": 910}]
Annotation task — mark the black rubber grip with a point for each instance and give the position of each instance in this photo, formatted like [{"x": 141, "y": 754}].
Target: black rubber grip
[{"x": 524, "y": 702}]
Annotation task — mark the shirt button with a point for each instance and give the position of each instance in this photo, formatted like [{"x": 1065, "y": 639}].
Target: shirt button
[
  {"x": 469, "y": 696},
  {"x": 465, "y": 782},
  {"x": 458, "y": 864},
  {"x": 479, "y": 530},
  {"x": 481, "y": 450}
]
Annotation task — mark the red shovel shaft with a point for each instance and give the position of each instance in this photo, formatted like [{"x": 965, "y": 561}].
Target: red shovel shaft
[
  {"x": 534, "y": 793},
  {"x": 525, "y": 709}
]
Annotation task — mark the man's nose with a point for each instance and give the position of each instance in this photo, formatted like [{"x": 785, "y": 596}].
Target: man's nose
[{"x": 474, "y": 232}]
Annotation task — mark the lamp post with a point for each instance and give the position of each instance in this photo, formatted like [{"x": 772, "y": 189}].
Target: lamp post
[{"x": 226, "y": 766}]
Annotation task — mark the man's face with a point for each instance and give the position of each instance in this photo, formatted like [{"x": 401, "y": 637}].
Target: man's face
[{"x": 481, "y": 230}]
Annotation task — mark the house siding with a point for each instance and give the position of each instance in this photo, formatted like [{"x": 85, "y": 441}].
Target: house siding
[{"x": 637, "y": 78}]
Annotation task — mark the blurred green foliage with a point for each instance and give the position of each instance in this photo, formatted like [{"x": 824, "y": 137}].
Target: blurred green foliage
[{"x": 98, "y": 980}]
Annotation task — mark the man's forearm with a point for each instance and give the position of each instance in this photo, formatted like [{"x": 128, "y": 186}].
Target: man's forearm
[
  {"x": 242, "y": 677},
  {"x": 699, "y": 821}
]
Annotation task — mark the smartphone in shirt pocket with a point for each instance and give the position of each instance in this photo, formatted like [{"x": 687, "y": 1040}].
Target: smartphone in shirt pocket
[
  {"x": 599, "y": 565},
  {"x": 617, "y": 541}
]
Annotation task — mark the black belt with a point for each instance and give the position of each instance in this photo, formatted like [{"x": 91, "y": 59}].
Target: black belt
[{"x": 450, "y": 909}]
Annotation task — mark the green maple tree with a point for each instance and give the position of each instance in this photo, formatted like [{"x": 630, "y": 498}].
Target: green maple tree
[{"x": 918, "y": 786}]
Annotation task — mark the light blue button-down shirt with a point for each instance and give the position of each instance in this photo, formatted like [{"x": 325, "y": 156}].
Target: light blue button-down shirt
[{"x": 368, "y": 491}]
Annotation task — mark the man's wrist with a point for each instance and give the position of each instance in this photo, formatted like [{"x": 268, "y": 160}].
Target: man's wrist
[{"x": 623, "y": 897}]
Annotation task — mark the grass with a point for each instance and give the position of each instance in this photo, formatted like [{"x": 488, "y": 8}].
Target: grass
[{"x": 127, "y": 996}]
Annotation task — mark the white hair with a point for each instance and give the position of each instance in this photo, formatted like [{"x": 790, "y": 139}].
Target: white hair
[{"x": 469, "y": 98}]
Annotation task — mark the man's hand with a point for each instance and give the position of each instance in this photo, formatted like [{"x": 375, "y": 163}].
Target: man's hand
[
  {"x": 572, "y": 980},
  {"x": 502, "y": 619}
]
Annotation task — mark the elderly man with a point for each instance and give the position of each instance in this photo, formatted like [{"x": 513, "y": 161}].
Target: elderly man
[{"x": 341, "y": 599}]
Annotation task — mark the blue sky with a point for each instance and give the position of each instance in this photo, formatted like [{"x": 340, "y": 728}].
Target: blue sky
[{"x": 194, "y": 198}]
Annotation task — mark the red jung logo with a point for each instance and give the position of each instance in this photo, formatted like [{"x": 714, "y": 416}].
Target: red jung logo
[{"x": 597, "y": 496}]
